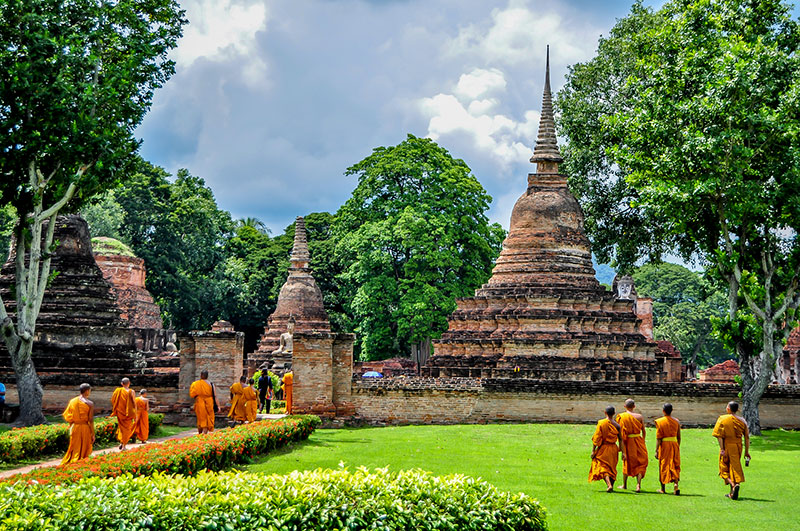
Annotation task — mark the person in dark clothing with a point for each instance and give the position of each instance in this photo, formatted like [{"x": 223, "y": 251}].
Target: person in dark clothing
[{"x": 265, "y": 391}]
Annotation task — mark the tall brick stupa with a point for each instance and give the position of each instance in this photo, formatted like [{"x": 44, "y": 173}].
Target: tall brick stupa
[
  {"x": 543, "y": 314},
  {"x": 300, "y": 301}
]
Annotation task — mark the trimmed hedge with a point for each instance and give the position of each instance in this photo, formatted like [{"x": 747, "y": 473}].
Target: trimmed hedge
[
  {"x": 214, "y": 451},
  {"x": 48, "y": 439},
  {"x": 322, "y": 499}
]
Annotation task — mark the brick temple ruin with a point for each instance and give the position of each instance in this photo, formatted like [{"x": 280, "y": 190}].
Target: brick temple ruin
[{"x": 543, "y": 314}]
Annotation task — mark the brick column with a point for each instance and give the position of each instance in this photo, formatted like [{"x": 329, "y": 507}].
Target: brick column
[
  {"x": 221, "y": 353},
  {"x": 343, "y": 375},
  {"x": 312, "y": 368}
]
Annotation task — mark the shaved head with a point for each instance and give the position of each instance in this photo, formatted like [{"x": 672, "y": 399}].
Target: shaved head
[{"x": 630, "y": 404}]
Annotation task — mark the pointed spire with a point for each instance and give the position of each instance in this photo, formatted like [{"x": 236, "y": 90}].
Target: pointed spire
[
  {"x": 546, "y": 149},
  {"x": 300, "y": 256}
]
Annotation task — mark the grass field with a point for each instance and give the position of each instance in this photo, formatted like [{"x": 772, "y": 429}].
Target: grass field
[{"x": 551, "y": 463}]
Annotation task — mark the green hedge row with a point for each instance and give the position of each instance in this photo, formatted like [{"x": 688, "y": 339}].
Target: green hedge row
[
  {"x": 48, "y": 439},
  {"x": 215, "y": 451},
  {"x": 322, "y": 499}
]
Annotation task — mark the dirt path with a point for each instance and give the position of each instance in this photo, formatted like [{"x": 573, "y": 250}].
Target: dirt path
[{"x": 115, "y": 449}]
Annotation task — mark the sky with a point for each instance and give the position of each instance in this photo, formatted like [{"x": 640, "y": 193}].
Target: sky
[{"x": 273, "y": 100}]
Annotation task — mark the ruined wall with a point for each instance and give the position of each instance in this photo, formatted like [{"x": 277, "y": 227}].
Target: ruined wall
[
  {"x": 467, "y": 400},
  {"x": 322, "y": 367},
  {"x": 127, "y": 277},
  {"x": 221, "y": 353},
  {"x": 56, "y": 397}
]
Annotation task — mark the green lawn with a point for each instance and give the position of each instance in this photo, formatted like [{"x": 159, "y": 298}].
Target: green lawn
[{"x": 551, "y": 462}]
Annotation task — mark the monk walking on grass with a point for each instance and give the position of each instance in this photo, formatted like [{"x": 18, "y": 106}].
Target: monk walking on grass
[
  {"x": 123, "y": 406},
  {"x": 668, "y": 449},
  {"x": 605, "y": 450},
  {"x": 80, "y": 416},
  {"x": 729, "y": 431},
  {"x": 204, "y": 402},
  {"x": 142, "y": 425},
  {"x": 250, "y": 400},
  {"x": 237, "y": 412},
  {"x": 633, "y": 441}
]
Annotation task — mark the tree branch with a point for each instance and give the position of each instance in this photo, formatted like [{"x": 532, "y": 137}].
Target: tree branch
[{"x": 64, "y": 200}]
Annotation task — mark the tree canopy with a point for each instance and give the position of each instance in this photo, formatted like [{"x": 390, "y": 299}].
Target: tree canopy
[
  {"x": 688, "y": 120},
  {"x": 412, "y": 238}
]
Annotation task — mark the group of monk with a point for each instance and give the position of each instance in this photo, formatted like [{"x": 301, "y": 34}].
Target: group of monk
[
  {"x": 244, "y": 401},
  {"x": 132, "y": 419},
  {"x": 625, "y": 433}
]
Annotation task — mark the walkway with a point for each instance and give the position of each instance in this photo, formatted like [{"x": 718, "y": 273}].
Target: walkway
[{"x": 115, "y": 449}]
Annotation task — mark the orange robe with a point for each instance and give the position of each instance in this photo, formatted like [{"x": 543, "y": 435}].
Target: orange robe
[
  {"x": 287, "y": 391},
  {"x": 123, "y": 407},
  {"x": 78, "y": 415},
  {"x": 605, "y": 460},
  {"x": 633, "y": 439},
  {"x": 731, "y": 429},
  {"x": 203, "y": 396},
  {"x": 237, "y": 404},
  {"x": 250, "y": 400},
  {"x": 669, "y": 457},
  {"x": 142, "y": 425}
]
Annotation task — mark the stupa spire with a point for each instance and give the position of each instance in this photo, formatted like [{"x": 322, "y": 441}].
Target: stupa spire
[
  {"x": 546, "y": 149},
  {"x": 300, "y": 256}
]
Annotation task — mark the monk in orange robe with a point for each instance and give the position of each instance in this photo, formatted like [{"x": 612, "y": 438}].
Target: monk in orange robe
[
  {"x": 123, "y": 406},
  {"x": 605, "y": 450},
  {"x": 142, "y": 425},
  {"x": 80, "y": 416},
  {"x": 668, "y": 449},
  {"x": 237, "y": 412},
  {"x": 287, "y": 391},
  {"x": 633, "y": 439},
  {"x": 204, "y": 402},
  {"x": 729, "y": 430},
  {"x": 250, "y": 399}
]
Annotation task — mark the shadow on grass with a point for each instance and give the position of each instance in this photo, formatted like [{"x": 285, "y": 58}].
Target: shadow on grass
[{"x": 786, "y": 440}]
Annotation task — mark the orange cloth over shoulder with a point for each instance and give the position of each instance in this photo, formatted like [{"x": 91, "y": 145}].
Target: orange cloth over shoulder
[
  {"x": 203, "y": 396},
  {"x": 633, "y": 439},
  {"x": 237, "y": 411},
  {"x": 669, "y": 458},
  {"x": 605, "y": 460},
  {"x": 79, "y": 416},
  {"x": 250, "y": 400},
  {"x": 731, "y": 428},
  {"x": 287, "y": 391},
  {"x": 123, "y": 407},
  {"x": 142, "y": 425}
]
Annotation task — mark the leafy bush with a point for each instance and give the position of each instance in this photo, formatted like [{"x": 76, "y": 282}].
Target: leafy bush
[
  {"x": 213, "y": 451},
  {"x": 48, "y": 439},
  {"x": 322, "y": 499}
]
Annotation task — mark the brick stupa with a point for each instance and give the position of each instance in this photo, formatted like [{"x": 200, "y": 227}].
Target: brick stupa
[
  {"x": 543, "y": 314},
  {"x": 300, "y": 300}
]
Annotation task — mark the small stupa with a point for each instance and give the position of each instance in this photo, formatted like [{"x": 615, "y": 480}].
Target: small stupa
[
  {"x": 300, "y": 302},
  {"x": 543, "y": 314}
]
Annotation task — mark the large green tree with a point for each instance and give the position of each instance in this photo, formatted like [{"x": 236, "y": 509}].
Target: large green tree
[
  {"x": 412, "y": 238},
  {"x": 76, "y": 78},
  {"x": 696, "y": 135}
]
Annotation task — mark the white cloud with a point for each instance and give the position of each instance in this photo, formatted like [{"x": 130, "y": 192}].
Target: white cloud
[
  {"x": 220, "y": 30},
  {"x": 480, "y": 82}
]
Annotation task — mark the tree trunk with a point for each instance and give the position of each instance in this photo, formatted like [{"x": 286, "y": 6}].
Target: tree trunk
[{"x": 28, "y": 386}]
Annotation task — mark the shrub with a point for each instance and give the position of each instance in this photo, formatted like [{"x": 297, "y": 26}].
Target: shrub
[
  {"x": 48, "y": 439},
  {"x": 213, "y": 451},
  {"x": 322, "y": 499}
]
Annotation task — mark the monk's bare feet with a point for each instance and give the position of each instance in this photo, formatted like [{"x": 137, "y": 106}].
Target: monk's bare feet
[
  {"x": 610, "y": 489},
  {"x": 661, "y": 491},
  {"x": 638, "y": 489}
]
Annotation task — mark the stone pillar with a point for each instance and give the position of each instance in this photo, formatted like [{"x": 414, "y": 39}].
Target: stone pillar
[
  {"x": 644, "y": 311},
  {"x": 221, "y": 353},
  {"x": 312, "y": 368}
]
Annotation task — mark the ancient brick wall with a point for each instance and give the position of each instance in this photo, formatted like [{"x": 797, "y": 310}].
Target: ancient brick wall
[
  {"x": 312, "y": 368},
  {"x": 467, "y": 400},
  {"x": 127, "y": 277},
  {"x": 56, "y": 397},
  {"x": 220, "y": 353}
]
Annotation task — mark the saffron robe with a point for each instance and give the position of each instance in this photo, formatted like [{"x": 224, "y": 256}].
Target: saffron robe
[
  {"x": 287, "y": 391},
  {"x": 142, "y": 425},
  {"x": 605, "y": 459},
  {"x": 237, "y": 411},
  {"x": 203, "y": 396},
  {"x": 250, "y": 400},
  {"x": 669, "y": 457},
  {"x": 81, "y": 433},
  {"x": 731, "y": 429},
  {"x": 123, "y": 406},
  {"x": 633, "y": 439}
]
